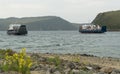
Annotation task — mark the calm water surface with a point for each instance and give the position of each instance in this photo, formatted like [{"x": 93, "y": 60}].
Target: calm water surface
[{"x": 106, "y": 44}]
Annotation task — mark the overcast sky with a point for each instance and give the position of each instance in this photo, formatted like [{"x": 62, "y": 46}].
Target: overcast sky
[{"x": 76, "y": 11}]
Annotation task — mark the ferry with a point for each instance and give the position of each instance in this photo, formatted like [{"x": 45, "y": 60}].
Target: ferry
[
  {"x": 92, "y": 29},
  {"x": 17, "y": 29}
]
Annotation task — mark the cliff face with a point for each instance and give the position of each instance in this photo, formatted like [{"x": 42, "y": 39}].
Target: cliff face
[
  {"x": 38, "y": 23},
  {"x": 110, "y": 19}
]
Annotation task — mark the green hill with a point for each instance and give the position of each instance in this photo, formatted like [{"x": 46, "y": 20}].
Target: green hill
[
  {"x": 38, "y": 23},
  {"x": 110, "y": 19}
]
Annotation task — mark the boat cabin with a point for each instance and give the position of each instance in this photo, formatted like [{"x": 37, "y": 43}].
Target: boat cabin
[{"x": 17, "y": 29}]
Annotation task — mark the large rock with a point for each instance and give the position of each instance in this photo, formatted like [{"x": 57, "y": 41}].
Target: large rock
[
  {"x": 66, "y": 71},
  {"x": 115, "y": 71},
  {"x": 57, "y": 72},
  {"x": 75, "y": 71},
  {"x": 38, "y": 72},
  {"x": 107, "y": 70},
  {"x": 71, "y": 65}
]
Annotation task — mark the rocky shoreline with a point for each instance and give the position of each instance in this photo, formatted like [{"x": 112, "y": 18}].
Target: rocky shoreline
[
  {"x": 71, "y": 64},
  {"x": 74, "y": 64}
]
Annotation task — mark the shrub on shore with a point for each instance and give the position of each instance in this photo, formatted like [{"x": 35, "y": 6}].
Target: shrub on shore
[
  {"x": 56, "y": 60},
  {"x": 18, "y": 62},
  {"x": 8, "y": 51}
]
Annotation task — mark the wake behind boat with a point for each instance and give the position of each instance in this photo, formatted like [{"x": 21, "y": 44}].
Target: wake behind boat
[
  {"x": 17, "y": 29},
  {"x": 92, "y": 29}
]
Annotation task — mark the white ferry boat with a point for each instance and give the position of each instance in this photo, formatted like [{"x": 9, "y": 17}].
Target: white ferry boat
[
  {"x": 17, "y": 29},
  {"x": 92, "y": 29}
]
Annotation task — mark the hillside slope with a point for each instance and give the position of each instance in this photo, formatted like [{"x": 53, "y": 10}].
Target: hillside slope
[
  {"x": 110, "y": 19},
  {"x": 38, "y": 23}
]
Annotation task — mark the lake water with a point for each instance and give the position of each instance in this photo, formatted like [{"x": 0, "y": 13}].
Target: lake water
[{"x": 106, "y": 44}]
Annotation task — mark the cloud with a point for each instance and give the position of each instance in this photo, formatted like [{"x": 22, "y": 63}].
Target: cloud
[{"x": 72, "y": 10}]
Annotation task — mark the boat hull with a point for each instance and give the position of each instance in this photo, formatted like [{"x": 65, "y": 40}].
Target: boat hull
[
  {"x": 9, "y": 32},
  {"x": 92, "y": 31}
]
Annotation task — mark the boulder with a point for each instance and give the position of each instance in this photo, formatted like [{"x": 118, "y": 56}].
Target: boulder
[
  {"x": 75, "y": 71},
  {"x": 57, "y": 72},
  {"x": 115, "y": 71},
  {"x": 71, "y": 65},
  {"x": 66, "y": 71},
  {"x": 106, "y": 70}
]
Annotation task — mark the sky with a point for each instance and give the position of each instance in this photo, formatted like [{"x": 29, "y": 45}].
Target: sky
[{"x": 75, "y": 11}]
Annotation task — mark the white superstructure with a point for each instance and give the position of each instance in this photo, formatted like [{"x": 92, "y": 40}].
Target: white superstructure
[
  {"x": 14, "y": 26},
  {"x": 90, "y": 27}
]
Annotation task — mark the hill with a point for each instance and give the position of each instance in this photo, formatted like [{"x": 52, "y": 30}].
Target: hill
[
  {"x": 111, "y": 19},
  {"x": 38, "y": 23}
]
